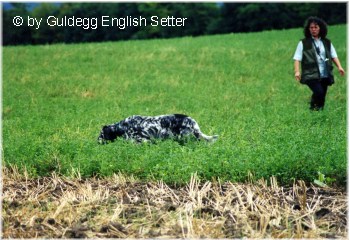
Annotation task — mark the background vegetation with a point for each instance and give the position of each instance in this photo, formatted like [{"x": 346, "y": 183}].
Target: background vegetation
[
  {"x": 202, "y": 19},
  {"x": 57, "y": 97}
]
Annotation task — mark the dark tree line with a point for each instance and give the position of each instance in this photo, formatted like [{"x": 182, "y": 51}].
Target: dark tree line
[{"x": 202, "y": 19}]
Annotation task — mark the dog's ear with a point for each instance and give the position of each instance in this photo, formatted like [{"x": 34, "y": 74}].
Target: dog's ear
[
  {"x": 109, "y": 133},
  {"x": 103, "y": 135},
  {"x": 119, "y": 130}
]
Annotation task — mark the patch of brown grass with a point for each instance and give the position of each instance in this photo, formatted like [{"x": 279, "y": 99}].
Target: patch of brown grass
[{"x": 121, "y": 207}]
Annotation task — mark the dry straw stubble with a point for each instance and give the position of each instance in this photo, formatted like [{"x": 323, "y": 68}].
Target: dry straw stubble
[{"x": 121, "y": 207}]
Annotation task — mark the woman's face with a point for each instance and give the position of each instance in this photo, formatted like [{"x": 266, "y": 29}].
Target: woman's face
[{"x": 314, "y": 29}]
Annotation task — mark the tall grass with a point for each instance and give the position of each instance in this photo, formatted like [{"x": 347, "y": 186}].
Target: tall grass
[{"x": 56, "y": 98}]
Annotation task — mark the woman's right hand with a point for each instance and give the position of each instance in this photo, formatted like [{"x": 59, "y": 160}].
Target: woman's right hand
[{"x": 297, "y": 76}]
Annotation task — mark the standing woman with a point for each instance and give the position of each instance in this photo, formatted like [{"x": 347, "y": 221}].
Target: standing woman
[{"x": 316, "y": 54}]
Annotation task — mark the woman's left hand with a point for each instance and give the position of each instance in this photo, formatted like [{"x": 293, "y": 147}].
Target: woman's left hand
[
  {"x": 340, "y": 68},
  {"x": 341, "y": 71}
]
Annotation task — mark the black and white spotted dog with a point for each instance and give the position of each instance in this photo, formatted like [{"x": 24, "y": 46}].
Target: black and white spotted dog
[{"x": 145, "y": 128}]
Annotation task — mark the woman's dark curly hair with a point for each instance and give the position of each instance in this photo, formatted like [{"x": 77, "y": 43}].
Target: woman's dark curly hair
[{"x": 320, "y": 22}]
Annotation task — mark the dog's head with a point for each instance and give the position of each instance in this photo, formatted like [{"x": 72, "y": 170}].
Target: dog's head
[{"x": 109, "y": 133}]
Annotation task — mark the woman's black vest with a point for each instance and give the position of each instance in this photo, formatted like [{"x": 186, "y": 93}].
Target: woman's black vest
[{"x": 309, "y": 66}]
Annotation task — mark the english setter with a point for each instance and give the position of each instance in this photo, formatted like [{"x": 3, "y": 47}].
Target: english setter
[{"x": 144, "y": 128}]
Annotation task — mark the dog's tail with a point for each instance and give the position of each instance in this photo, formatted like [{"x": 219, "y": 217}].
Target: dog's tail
[{"x": 210, "y": 139}]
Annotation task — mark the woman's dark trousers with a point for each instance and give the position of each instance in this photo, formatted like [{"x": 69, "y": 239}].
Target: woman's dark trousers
[{"x": 319, "y": 92}]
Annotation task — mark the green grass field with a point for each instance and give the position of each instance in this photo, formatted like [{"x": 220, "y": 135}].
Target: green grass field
[{"x": 56, "y": 98}]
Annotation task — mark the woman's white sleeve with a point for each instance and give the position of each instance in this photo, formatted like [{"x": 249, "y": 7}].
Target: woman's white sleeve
[
  {"x": 298, "y": 55},
  {"x": 333, "y": 52}
]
